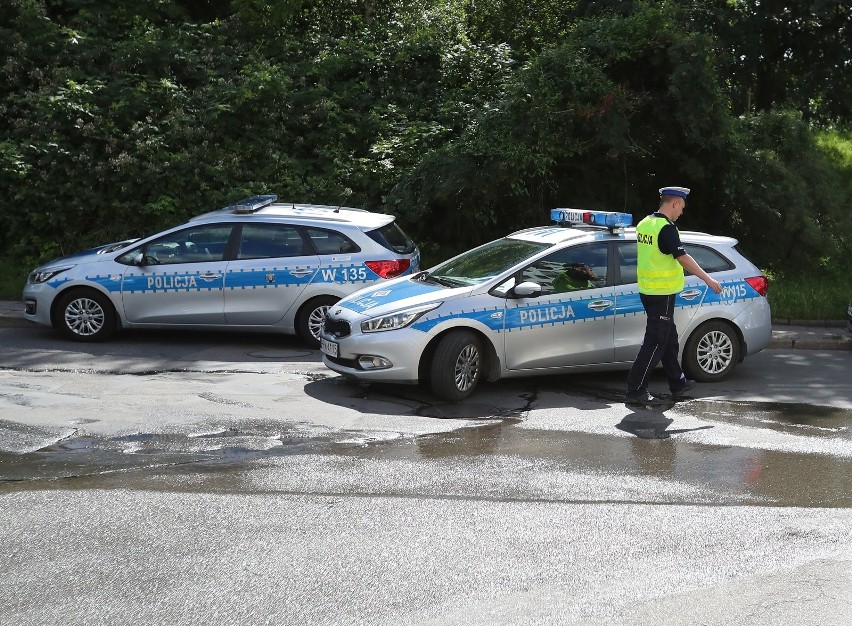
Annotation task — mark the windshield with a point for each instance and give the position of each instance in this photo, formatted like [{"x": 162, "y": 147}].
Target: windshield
[{"x": 485, "y": 262}]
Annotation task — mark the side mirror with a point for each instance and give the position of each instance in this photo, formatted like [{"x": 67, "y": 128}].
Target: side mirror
[
  {"x": 142, "y": 259},
  {"x": 527, "y": 290}
]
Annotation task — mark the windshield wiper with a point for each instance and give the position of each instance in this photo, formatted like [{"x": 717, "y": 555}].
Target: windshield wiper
[{"x": 444, "y": 281}]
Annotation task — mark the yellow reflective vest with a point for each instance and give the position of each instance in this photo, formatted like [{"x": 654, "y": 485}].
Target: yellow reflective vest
[{"x": 657, "y": 273}]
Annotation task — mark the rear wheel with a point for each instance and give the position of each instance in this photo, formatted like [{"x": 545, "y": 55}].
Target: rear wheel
[
  {"x": 711, "y": 352},
  {"x": 457, "y": 365},
  {"x": 85, "y": 315},
  {"x": 310, "y": 319}
]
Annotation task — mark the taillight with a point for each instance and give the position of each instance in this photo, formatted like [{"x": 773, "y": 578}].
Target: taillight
[
  {"x": 759, "y": 283},
  {"x": 389, "y": 269}
]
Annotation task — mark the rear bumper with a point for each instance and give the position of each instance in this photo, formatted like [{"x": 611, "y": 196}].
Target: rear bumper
[{"x": 756, "y": 325}]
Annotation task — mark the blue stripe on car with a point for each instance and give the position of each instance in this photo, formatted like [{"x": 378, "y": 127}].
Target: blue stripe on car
[
  {"x": 253, "y": 278},
  {"x": 572, "y": 311},
  {"x": 384, "y": 294}
]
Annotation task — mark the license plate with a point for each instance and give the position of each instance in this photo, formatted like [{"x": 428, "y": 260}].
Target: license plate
[{"x": 329, "y": 347}]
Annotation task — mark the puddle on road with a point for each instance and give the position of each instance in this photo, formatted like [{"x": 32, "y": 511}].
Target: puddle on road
[
  {"x": 75, "y": 457},
  {"x": 738, "y": 474},
  {"x": 774, "y": 477},
  {"x": 795, "y": 419}
]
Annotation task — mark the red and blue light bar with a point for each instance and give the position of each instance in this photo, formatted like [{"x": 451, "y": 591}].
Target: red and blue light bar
[{"x": 607, "y": 219}]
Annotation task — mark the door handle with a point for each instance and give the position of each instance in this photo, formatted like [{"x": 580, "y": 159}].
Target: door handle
[
  {"x": 600, "y": 305},
  {"x": 691, "y": 294},
  {"x": 208, "y": 276},
  {"x": 299, "y": 273}
]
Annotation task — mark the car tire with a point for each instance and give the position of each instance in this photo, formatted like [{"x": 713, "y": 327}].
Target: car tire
[
  {"x": 310, "y": 318},
  {"x": 711, "y": 352},
  {"x": 457, "y": 365},
  {"x": 85, "y": 315}
]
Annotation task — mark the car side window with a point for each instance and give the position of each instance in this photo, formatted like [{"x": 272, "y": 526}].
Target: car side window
[
  {"x": 198, "y": 244},
  {"x": 269, "y": 241},
  {"x": 709, "y": 260},
  {"x": 331, "y": 242},
  {"x": 626, "y": 256},
  {"x": 569, "y": 269}
]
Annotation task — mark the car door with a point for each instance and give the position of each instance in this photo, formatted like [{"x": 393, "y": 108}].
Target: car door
[
  {"x": 630, "y": 315},
  {"x": 273, "y": 265},
  {"x": 179, "y": 279},
  {"x": 571, "y": 322}
]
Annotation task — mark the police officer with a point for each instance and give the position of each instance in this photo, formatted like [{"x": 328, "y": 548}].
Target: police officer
[{"x": 660, "y": 264}]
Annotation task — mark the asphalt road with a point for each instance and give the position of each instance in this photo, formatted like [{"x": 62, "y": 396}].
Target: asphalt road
[{"x": 200, "y": 478}]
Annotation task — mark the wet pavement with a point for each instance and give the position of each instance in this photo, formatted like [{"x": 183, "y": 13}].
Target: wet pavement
[
  {"x": 231, "y": 480},
  {"x": 802, "y": 456}
]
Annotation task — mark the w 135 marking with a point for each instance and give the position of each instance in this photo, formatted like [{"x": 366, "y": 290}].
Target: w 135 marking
[{"x": 345, "y": 273}]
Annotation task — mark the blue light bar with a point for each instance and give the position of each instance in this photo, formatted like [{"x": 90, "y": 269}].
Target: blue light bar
[
  {"x": 607, "y": 219},
  {"x": 252, "y": 204}
]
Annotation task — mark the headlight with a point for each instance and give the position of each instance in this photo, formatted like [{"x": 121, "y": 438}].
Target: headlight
[
  {"x": 42, "y": 276},
  {"x": 398, "y": 319}
]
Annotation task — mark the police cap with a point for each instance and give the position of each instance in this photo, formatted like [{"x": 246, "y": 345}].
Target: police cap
[{"x": 680, "y": 192}]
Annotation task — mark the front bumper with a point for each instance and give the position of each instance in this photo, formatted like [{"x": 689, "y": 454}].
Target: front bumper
[
  {"x": 402, "y": 348},
  {"x": 37, "y": 302}
]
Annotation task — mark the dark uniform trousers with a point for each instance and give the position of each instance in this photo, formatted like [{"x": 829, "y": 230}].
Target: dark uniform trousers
[{"x": 659, "y": 344}]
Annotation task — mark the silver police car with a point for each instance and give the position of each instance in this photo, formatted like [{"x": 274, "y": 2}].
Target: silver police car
[
  {"x": 544, "y": 300},
  {"x": 254, "y": 265},
  {"x": 849, "y": 316}
]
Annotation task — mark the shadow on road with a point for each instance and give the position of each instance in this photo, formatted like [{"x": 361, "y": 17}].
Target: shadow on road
[{"x": 651, "y": 423}]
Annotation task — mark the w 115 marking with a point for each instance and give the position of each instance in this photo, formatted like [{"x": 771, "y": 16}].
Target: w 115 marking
[
  {"x": 346, "y": 274},
  {"x": 732, "y": 292}
]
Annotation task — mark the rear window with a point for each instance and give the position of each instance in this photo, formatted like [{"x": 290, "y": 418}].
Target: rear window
[
  {"x": 393, "y": 238},
  {"x": 709, "y": 260},
  {"x": 331, "y": 242}
]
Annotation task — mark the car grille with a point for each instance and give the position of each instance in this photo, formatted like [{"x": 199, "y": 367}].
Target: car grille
[
  {"x": 350, "y": 363},
  {"x": 338, "y": 328}
]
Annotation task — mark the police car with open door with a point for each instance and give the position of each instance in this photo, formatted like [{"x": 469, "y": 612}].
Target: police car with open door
[
  {"x": 255, "y": 265},
  {"x": 544, "y": 300}
]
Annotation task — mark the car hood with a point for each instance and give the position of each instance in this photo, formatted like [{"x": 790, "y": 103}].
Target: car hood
[
  {"x": 395, "y": 295},
  {"x": 92, "y": 254}
]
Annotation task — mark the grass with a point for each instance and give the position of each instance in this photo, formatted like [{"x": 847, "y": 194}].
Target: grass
[
  {"x": 12, "y": 279},
  {"x": 804, "y": 298},
  {"x": 810, "y": 298}
]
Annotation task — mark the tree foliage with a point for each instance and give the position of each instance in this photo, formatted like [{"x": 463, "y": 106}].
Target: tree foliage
[
  {"x": 785, "y": 54},
  {"x": 465, "y": 118}
]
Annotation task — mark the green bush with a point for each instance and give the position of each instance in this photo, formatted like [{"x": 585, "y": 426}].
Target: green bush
[
  {"x": 810, "y": 297},
  {"x": 467, "y": 122}
]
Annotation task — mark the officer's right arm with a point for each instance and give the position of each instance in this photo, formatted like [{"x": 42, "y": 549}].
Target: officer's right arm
[{"x": 692, "y": 266}]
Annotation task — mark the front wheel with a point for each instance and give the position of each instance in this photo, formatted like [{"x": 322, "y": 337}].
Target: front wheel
[
  {"x": 457, "y": 365},
  {"x": 85, "y": 316},
  {"x": 311, "y": 317},
  {"x": 711, "y": 352}
]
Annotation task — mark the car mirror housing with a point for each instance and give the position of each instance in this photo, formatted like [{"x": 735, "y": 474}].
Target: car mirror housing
[{"x": 527, "y": 290}]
